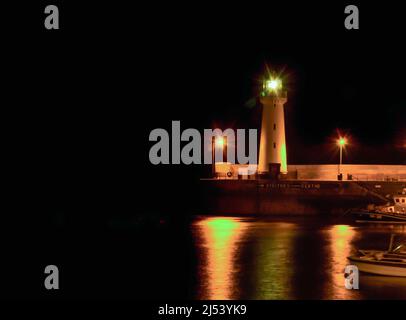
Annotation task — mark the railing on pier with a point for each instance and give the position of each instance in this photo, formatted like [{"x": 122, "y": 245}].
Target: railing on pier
[{"x": 379, "y": 177}]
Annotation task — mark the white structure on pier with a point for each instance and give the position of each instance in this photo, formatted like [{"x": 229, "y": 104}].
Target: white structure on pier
[{"x": 272, "y": 148}]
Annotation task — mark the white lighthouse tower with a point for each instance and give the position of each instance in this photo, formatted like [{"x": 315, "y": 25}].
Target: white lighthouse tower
[{"x": 272, "y": 148}]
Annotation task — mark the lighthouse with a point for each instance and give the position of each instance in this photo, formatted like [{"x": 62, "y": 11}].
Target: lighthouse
[{"x": 272, "y": 148}]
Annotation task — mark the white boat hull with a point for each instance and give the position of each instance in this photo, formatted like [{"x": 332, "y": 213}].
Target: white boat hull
[{"x": 378, "y": 268}]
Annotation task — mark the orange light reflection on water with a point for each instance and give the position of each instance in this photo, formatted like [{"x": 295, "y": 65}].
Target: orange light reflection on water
[
  {"x": 220, "y": 236},
  {"x": 341, "y": 237},
  {"x": 274, "y": 261}
]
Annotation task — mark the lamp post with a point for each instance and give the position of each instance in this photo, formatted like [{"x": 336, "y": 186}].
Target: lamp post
[
  {"x": 218, "y": 143},
  {"x": 341, "y": 143}
]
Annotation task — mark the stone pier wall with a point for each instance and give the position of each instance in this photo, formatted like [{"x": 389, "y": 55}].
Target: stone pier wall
[{"x": 363, "y": 172}]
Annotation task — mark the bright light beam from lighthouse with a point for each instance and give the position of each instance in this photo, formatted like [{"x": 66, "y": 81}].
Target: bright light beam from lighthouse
[{"x": 273, "y": 84}]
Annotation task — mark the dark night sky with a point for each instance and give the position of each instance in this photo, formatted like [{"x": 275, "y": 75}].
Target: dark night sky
[{"x": 85, "y": 98}]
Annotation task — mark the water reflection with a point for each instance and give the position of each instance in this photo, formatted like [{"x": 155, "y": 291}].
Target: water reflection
[
  {"x": 274, "y": 261},
  {"x": 220, "y": 237},
  {"x": 340, "y": 240},
  {"x": 381, "y": 287},
  {"x": 255, "y": 258}
]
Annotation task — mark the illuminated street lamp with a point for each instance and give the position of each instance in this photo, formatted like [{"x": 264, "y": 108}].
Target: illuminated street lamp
[
  {"x": 341, "y": 142},
  {"x": 218, "y": 143}
]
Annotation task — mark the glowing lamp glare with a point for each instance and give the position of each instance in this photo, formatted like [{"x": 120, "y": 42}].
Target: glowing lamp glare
[
  {"x": 219, "y": 142},
  {"x": 342, "y": 142},
  {"x": 273, "y": 84}
]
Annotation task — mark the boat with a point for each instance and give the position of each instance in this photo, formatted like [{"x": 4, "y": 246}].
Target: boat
[
  {"x": 392, "y": 212},
  {"x": 387, "y": 263}
]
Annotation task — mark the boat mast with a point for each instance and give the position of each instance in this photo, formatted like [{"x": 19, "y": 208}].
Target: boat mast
[{"x": 392, "y": 237}]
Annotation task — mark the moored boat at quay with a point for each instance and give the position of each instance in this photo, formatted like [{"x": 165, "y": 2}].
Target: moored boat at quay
[
  {"x": 392, "y": 212},
  {"x": 387, "y": 263}
]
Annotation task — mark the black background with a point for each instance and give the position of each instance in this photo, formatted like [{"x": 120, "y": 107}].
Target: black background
[{"x": 79, "y": 103}]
